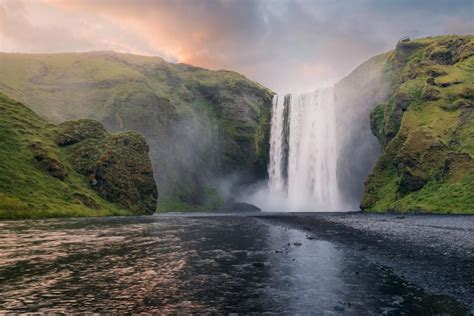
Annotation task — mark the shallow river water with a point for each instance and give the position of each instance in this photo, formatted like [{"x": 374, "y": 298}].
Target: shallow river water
[{"x": 170, "y": 264}]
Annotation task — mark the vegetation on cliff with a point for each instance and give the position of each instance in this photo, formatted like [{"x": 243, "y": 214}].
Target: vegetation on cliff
[
  {"x": 201, "y": 125},
  {"x": 76, "y": 168},
  {"x": 426, "y": 129}
]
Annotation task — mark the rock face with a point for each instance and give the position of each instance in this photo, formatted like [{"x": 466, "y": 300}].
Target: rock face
[
  {"x": 201, "y": 125},
  {"x": 355, "y": 97},
  {"x": 117, "y": 165},
  {"x": 426, "y": 129},
  {"x": 72, "y": 169}
]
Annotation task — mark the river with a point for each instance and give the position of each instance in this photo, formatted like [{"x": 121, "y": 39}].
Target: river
[{"x": 193, "y": 263}]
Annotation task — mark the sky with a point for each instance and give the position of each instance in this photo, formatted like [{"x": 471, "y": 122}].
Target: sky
[{"x": 286, "y": 45}]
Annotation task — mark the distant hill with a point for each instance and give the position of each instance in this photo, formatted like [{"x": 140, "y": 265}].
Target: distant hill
[
  {"x": 76, "y": 168},
  {"x": 203, "y": 126}
]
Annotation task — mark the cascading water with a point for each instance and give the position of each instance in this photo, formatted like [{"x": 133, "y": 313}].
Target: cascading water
[{"x": 303, "y": 152}]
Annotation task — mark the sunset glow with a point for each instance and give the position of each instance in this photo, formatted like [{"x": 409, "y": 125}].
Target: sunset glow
[{"x": 286, "y": 45}]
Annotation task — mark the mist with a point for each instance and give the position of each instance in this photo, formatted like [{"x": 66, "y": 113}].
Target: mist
[
  {"x": 186, "y": 158},
  {"x": 328, "y": 169}
]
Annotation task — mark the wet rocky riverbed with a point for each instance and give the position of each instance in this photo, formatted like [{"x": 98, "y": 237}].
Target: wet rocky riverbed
[{"x": 221, "y": 264}]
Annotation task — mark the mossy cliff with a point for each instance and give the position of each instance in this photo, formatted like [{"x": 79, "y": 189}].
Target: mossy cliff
[
  {"x": 426, "y": 129},
  {"x": 76, "y": 168},
  {"x": 201, "y": 125}
]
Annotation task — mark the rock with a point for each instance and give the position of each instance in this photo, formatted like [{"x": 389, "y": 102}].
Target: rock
[
  {"x": 74, "y": 166},
  {"x": 424, "y": 148},
  {"x": 456, "y": 105},
  {"x": 431, "y": 93},
  {"x": 232, "y": 206},
  {"x": 467, "y": 92},
  {"x": 402, "y": 101},
  {"x": 47, "y": 161},
  {"x": 434, "y": 72},
  {"x": 72, "y": 132},
  {"x": 404, "y": 39},
  {"x": 404, "y": 50},
  {"x": 339, "y": 308},
  {"x": 455, "y": 166},
  {"x": 442, "y": 56},
  {"x": 53, "y": 167},
  {"x": 431, "y": 81},
  {"x": 409, "y": 182},
  {"x": 117, "y": 165},
  {"x": 258, "y": 264},
  {"x": 86, "y": 200},
  {"x": 246, "y": 207}
]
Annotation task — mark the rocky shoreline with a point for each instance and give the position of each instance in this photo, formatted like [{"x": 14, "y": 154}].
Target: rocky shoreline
[{"x": 435, "y": 252}]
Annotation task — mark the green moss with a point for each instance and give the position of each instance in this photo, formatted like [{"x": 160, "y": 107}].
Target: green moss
[
  {"x": 422, "y": 135},
  {"x": 377, "y": 119},
  {"x": 27, "y": 190},
  {"x": 220, "y": 113}
]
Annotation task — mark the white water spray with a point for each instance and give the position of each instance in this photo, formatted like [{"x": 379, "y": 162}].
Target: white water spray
[{"x": 303, "y": 152}]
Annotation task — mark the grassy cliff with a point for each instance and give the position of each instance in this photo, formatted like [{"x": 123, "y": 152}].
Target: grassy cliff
[
  {"x": 201, "y": 125},
  {"x": 426, "y": 129},
  {"x": 72, "y": 169}
]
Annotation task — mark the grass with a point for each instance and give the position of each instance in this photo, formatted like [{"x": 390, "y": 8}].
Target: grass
[
  {"x": 435, "y": 126},
  {"x": 169, "y": 203},
  {"x": 25, "y": 189},
  {"x": 151, "y": 96}
]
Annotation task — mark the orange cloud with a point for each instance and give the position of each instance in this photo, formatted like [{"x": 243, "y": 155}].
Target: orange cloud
[
  {"x": 286, "y": 45},
  {"x": 172, "y": 30}
]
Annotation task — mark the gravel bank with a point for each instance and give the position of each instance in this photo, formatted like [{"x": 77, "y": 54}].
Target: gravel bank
[{"x": 435, "y": 252}]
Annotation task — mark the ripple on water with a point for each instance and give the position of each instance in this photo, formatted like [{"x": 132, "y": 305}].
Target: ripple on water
[{"x": 169, "y": 265}]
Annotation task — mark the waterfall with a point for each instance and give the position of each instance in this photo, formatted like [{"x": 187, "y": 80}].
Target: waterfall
[{"x": 303, "y": 153}]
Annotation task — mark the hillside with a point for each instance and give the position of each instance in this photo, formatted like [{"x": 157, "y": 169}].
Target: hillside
[
  {"x": 426, "y": 129},
  {"x": 72, "y": 169},
  {"x": 203, "y": 126}
]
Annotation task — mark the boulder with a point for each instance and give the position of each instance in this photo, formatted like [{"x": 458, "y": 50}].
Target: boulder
[
  {"x": 467, "y": 92},
  {"x": 117, "y": 165},
  {"x": 442, "y": 56},
  {"x": 431, "y": 93},
  {"x": 72, "y": 132},
  {"x": 47, "y": 161},
  {"x": 232, "y": 206},
  {"x": 410, "y": 181}
]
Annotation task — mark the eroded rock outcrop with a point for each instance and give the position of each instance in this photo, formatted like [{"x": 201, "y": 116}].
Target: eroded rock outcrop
[
  {"x": 73, "y": 169},
  {"x": 425, "y": 129},
  {"x": 117, "y": 165}
]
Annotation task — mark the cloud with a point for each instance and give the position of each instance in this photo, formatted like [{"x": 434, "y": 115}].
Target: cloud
[{"x": 287, "y": 45}]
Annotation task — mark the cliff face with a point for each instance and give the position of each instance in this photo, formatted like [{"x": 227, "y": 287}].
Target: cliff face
[
  {"x": 201, "y": 125},
  {"x": 355, "y": 97},
  {"x": 426, "y": 129},
  {"x": 76, "y": 168}
]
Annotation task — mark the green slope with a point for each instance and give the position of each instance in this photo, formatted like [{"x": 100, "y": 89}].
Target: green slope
[
  {"x": 200, "y": 124},
  {"x": 426, "y": 129},
  {"x": 39, "y": 178}
]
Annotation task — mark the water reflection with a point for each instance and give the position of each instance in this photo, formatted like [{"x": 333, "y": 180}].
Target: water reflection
[{"x": 184, "y": 264}]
